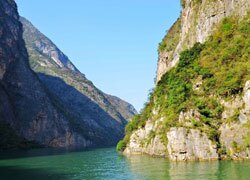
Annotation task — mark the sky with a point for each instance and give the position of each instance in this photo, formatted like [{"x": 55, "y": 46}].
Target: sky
[{"x": 113, "y": 42}]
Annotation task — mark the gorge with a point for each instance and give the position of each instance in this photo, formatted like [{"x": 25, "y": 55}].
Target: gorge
[
  {"x": 199, "y": 109},
  {"x": 57, "y": 124}
]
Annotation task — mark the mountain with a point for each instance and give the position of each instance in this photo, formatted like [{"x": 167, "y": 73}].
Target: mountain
[
  {"x": 200, "y": 107},
  {"x": 46, "y": 58},
  {"x": 27, "y": 113},
  {"x": 55, "y": 106}
]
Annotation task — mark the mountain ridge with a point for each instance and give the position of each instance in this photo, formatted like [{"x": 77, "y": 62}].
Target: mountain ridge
[
  {"x": 41, "y": 61},
  {"x": 56, "y": 106}
]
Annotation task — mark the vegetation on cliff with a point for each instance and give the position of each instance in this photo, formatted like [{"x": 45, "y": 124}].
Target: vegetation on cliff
[
  {"x": 172, "y": 37},
  {"x": 205, "y": 74}
]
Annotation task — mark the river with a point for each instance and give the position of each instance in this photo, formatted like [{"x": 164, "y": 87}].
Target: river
[{"x": 107, "y": 164}]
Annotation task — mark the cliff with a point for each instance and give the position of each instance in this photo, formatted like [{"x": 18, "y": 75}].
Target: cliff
[
  {"x": 56, "y": 106},
  {"x": 196, "y": 23},
  {"x": 47, "y": 59},
  {"x": 199, "y": 109},
  {"x": 25, "y": 106}
]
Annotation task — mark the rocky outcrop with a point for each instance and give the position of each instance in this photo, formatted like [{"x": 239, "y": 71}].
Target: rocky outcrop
[
  {"x": 179, "y": 144},
  {"x": 154, "y": 148},
  {"x": 233, "y": 140},
  {"x": 190, "y": 145},
  {"x": 144, "y": 141},
  {"x": 57, "y": 106},
  {"x": 182, "y": 144},
  {"x": 199, "y": 110},
  {"x": 244, "y": 116},
  {"x": 198, "y": 20},
  {"x": 235, "y": 136}
]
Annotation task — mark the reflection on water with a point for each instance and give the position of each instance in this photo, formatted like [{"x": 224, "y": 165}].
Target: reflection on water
[
  {"x": 106, "y": 164},
  {"x": 145, "y": 167}
]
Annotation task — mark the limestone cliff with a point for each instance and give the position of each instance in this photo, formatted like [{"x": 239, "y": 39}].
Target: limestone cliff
[
  {"x": 199, "y": 109},
  {"x": 196, "y": 23}
]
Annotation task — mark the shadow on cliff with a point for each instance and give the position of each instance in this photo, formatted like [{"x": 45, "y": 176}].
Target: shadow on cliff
[
  {"x": 85, "y": 116},
  {"x": 21, "y": 173}
]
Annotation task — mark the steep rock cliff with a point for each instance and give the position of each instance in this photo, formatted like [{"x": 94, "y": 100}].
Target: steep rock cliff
[
  {"x": 55, "y": 107},
  {"x": 199, "y": 109},
  {"x": 46, "y": 58},
  {"x": 196, "y": 23},
  {"x": 25, "y": 106}
]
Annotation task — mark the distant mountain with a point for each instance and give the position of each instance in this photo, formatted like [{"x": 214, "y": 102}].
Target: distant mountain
[
  {"x": 46, "y": 58},
  {"x": 77, "y": 96},
  {"x": 56, "y": 106}
]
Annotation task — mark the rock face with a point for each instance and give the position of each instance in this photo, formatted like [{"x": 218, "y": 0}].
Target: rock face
[
  {"x": 25, "y": 104},
  {"x": 50, "y": 55},
  {"x": 57, "y": 106},
  {"x": 46, "y": 58},
  {"x": 142, "y": 141},
  {"x": 198, "y": 20},
  {"x": 234, "y": 136},
  {"x": 125, "y": 109},
  {"x": 182, "y": 144},
  {"x": 233, "y": 139},
  {"x": 185, "y": 118},
  {"x": 190, "y": 144}
]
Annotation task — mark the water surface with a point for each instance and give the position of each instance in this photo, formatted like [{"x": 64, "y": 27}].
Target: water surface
[{"x": 106, "y": 164}]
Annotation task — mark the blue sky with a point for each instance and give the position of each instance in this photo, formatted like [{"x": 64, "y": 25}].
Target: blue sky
[{"x": 113, "y": 42}]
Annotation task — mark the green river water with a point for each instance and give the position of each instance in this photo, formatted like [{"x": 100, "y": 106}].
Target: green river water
[{"x": 106, "y": 164}]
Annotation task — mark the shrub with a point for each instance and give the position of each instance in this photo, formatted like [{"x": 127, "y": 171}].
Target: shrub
[
  {"x": 213, "y": 135},
  {"x": 171, "y": 40},
  {"x": 223, "y": 63},
  {"x": 121, "y": 146}
]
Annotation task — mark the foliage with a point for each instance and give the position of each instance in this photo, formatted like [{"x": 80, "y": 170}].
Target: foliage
[
  {"x": 247, "y": 138},
  {"x": 183, "y": 3},
  {"x": 236, "y": 147},
  {"x": 171, "y": 40},
  {"x": 175, "y": 87},
  {"x": 223, "y": 65},
  {"x": 121, "y": 145},
  {"x": 226, "y": 56},
  {"x": 138, "y": 121}
]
